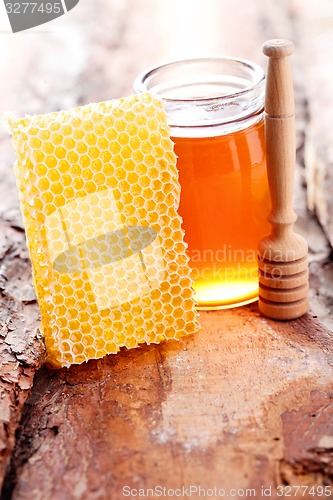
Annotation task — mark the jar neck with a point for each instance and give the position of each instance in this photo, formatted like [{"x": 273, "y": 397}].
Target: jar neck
[{"x": 207, "y": 97}]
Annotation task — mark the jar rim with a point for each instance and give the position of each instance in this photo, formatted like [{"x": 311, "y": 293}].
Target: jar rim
[
  {"x": 258, "y": 73},
  {"x": 206, "y": 95}
]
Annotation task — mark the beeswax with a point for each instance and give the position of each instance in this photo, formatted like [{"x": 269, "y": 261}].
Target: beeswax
[{"x": 99, "y": 194}]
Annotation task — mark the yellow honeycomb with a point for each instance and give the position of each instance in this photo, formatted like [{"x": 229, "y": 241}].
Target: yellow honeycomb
[{"x": 99, "y": 194}]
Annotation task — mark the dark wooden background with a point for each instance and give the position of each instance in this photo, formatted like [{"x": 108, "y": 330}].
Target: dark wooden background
[{"x": 245, "y": 403}]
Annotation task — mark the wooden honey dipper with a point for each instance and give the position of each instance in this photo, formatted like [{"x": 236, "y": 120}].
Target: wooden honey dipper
[{"x": 282, "y": 256}]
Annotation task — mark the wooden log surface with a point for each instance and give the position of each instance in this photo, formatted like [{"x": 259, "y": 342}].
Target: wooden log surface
[
  {"x": 314, "y": 22},
  {"x": 20, "y": 348},
  {"x": 227, "y": 407},
  {"x": 245, "y": 403}
]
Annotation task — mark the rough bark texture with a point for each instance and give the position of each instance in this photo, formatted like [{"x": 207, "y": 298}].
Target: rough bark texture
[
  {"x": 314, "y": 23},
  {"x": 238, "y": 398},
  {"x": 247, "y": 402},
  {"x": 20, "y": 349}
]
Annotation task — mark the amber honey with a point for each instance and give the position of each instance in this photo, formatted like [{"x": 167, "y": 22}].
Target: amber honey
[
  {"x": 224, "y": 205},
  {"x": 215, "y": 111}
]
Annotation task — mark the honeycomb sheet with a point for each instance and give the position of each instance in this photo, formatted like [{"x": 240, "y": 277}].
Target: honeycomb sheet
[{"x": 99, "y": 194}]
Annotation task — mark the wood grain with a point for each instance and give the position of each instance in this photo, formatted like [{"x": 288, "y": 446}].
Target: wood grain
[
  {"x": 224, "y": 407},
  {"x": 314, "y": 24}
]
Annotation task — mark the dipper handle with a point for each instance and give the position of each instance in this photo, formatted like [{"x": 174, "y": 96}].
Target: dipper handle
[{"x": 280, "y": 131}]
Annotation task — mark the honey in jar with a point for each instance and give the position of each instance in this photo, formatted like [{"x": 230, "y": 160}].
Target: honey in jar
[{"x": 215, "y": 112}]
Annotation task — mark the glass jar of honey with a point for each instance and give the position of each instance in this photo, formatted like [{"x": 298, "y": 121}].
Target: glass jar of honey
[{"x": 215, "y": 112}]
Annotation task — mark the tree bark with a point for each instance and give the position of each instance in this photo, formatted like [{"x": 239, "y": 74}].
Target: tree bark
[
  {"x": 245, "y": 403},
  {"x": 21, "y": 350}
]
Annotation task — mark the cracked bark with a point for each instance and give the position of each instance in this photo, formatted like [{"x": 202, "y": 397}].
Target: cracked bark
[
  {"x": 20, "y": 349},
  {"x": 314, "y": 24},
  {"x": 238, "y": 397}
]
